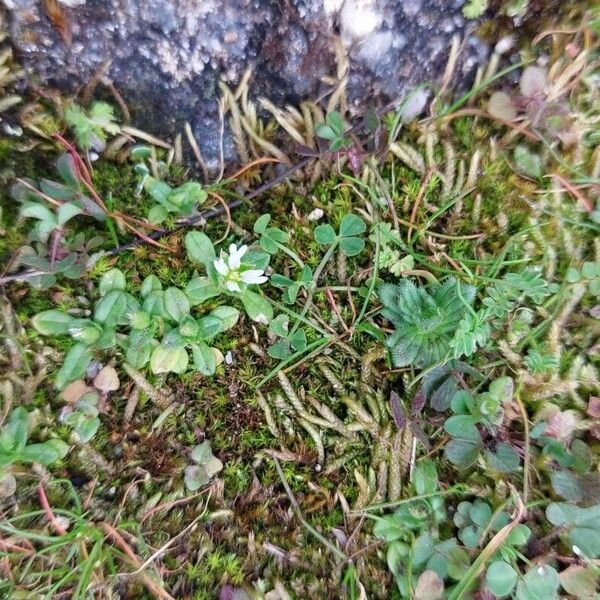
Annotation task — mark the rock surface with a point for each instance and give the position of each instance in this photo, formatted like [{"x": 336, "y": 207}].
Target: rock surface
[{"x": 167, "y": 56}]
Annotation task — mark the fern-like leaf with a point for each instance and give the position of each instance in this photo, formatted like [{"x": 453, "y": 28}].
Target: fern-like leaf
[{"x": 425, "y": 318}]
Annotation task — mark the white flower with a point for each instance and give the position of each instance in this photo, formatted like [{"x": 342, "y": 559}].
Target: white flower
[{"x": 232, "y": 275}]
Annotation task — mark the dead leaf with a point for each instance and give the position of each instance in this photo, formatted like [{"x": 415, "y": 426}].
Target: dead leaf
[
  {"x": 429, "y": 586},
  {"x": 533, "y": 81},
  {"x": 593, "y": 407},
  {"x": 75, "y": 390},
  {"x": 107, "y": 380},
  {"x": 579, "y": 581},
  {"x": 501, "y": 106}
]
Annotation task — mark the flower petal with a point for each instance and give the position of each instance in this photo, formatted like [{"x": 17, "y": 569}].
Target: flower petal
[
  {"x": 235, "y": 256},
  {"x": 221, "y": 267},
  {"x": 254, "y": 276},
  {"x": 233, "y": 286}
]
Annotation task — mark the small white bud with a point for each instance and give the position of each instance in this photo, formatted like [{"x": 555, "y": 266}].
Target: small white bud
[
  {"x": 504, "y": 44},
  {"x": 315, "y": 214}
]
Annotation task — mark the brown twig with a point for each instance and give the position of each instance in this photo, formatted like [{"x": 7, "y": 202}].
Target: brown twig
[
  {"x": 335, "y": 308},
  {"x": 169, "y": 505},
  {"x": 53, "y": 520},
  {"x": 150, "y": 584},
  {"x": 585, "y": 203},
  {"x": 227, "y": 213}
]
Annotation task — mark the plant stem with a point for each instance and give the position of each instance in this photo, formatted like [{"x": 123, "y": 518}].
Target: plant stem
[
  {"x": 290, "y": 312},
  {"x": 326, "y": 257},
  {"x": 479, "y": 563},
  {"x": 296, "y": 508},
  {"x": 484, "y": 84},
  {"x": 459, "y": 488},
  {"x": 365, "y": 305},
  {"x": 291, "y": 254}
]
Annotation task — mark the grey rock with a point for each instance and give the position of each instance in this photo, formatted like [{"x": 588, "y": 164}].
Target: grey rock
[{"x": 167, "y": 56}]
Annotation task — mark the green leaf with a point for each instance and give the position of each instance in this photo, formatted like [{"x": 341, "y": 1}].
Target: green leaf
[
  {"x": 519, "y": 535},
  {"x": 140, "y": 347},
  {"x": 500, "y": 578},
  {"x": 462, "y": 427},
  {"x": 154, "y": 304},
  {"x": 260, "y": 225},
  {"x": 200, "y": 289},
  {"x": 68, "y": 211},
  {"x": 257, "y": 307},
  {"x": 36, "y": 210},
  {"x": 204, "y": 358},
  {"x": 539, "y": 583},
  {"x": 325, "y": 132},
  {"x": 58, "y": 191},
  {"x": 425, "y": 319},
  {"x": 112, "y": 280},
  {"x": 157, "y": 214},
  {"x": 140, "y": 152},
  {"x": 74, "y": 365},
  {"x": 458, "y": 561},
  {"x": 423, "y": 548},
  {"x": 389, "y": 528},
  {"x": 158, "y": 190},
  {"x": 167, "y": 360},
  {"x": 257, "y": 259},
  {"x": 470, "y": 536},
  {"x": 325, "y": 234},
  {"x": 352, "y": 225},
  {"x": 46, "y": 453},
  {"x": 528, "y": 162},
  {"x": 505, "y": 459},
  {"x": 280, "y": 325},
  {"x": 150, "y": 284},
  {"x": 174, "y": 340},
  {"x": 580, "y": 525},
  {"x": 582, "y": 456},
  {"x": 207, "y": 465},
  {"x": 298, "y": 340},
  {"x": 480, "y": 513},
  {"x": 425, "y": 477},
  {"x": 177, "y": 304},
  {"x": 567, "y": 485},
  {"x": 446, "y": 555},
  {"x": 280, "y": 350},
  {"x": 52, "y": 322},
  {"x": 227, "y": 314},
  {"x": 473, "y": 9},
  {"x": 334, "y": 118},
  {"x": 188, "y": 327},
  {"x": 13, "y": 436},
  {"x": 209, "y": 327},
  {"x": 462, "y": 453},
  {"x": 65, "y": 166},
  {"x": 351, "y": 246},
  {"x": 281, "y": 281},
  {"x": 79, "y": 121},
  {"x": 111, "y": 308},
  {"x": 85, "y": 330},
  {"x": 103, "y": 116},
  {"x": 107, "y": 339},
  {"x": 572, "y": 275},
  {"x": 203, "y": 455},
  {"x": 86, "y": 428},
  {"x": 200, "y": 248},
  {"x": 501, "y": 389}
]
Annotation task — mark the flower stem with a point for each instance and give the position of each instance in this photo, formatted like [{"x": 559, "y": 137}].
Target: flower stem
[{"x": 326, "y": 257}]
